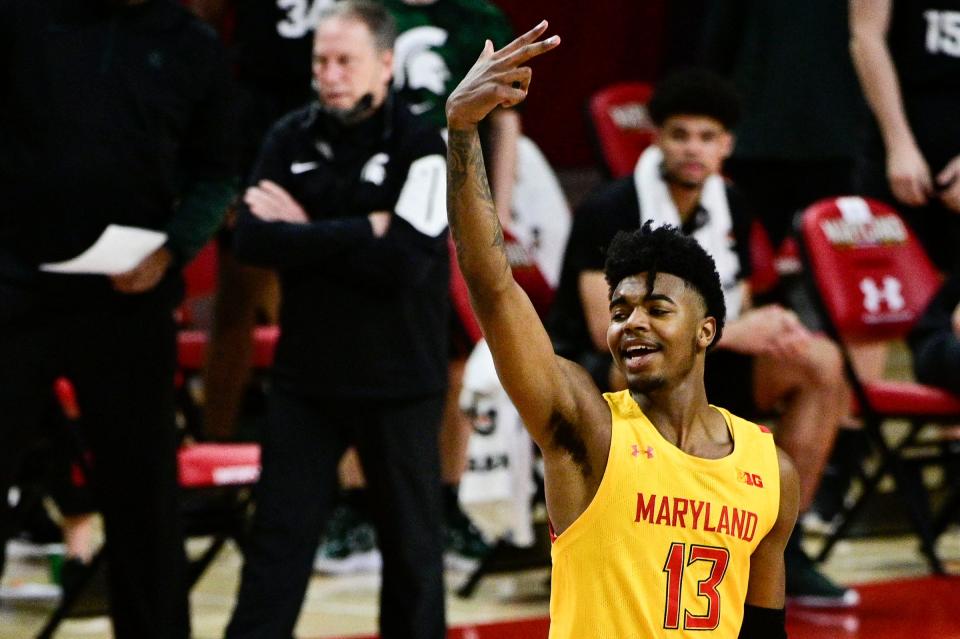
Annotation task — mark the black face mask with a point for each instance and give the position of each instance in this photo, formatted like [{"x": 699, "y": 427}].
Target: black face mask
[{"x": 356, "y": 113}]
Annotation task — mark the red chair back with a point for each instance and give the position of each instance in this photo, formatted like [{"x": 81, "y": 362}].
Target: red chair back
[
  {"x": 873, "y": 276},
  {"x": 763, "y": 261},
  {"x": 200, "y": 275},
  {"x": 622, "y": 124},
  {"x": 525, "y": 272}
]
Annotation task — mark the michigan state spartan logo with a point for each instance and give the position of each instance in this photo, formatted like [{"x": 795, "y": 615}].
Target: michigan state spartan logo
[{"x": 416, "y": 64}]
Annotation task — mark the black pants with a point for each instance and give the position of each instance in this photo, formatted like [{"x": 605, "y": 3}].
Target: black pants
[
  {"x": 778, "y": 189},
  {"x": 121, "y": 362},
  {"x": 398, "y": 446},
  {"x": 936, "y": 361}
]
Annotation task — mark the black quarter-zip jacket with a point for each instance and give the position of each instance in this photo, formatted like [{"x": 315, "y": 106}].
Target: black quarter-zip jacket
[
  {"x": 361, "y": 316},
  {"x": 108, "y": 114}
]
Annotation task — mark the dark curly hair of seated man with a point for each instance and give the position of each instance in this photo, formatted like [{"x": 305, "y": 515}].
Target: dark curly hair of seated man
[{"x": 696, "y": 92}]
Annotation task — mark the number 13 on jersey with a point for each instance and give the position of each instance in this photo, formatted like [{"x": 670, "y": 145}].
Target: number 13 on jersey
[{"x": 677, "y": 560}]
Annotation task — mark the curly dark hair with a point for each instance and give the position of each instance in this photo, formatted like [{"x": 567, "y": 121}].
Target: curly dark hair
[
  {"x": 665, "y": 249},
  {"x": 695, "y": 92}
]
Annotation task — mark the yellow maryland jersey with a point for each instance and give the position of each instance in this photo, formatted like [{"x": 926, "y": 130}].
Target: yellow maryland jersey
[{"x": 663, "y": 550}]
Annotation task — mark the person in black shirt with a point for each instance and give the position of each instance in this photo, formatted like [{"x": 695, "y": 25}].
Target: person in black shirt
[
  {"x": 935, "y": 340},
  {"x": 765, "y": 360},
  {"x": 907, "y": 54},
  {"x": 802, "y": 108},
  {"x": 348, "y": 204},
  {"x": 112, "y": 113}
]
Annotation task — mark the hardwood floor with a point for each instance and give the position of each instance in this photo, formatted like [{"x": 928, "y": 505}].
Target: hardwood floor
[{"x": 899, "y": 599}]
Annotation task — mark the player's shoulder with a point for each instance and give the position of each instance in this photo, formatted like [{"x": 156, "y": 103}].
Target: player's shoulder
[
  {"x": 747, "y": 431},
  {"x": 788, "y": 470},
  {"x": 753, "y": 428}
]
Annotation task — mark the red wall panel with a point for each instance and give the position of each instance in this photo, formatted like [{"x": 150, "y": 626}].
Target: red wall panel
[{"x": 603, "y": 42}]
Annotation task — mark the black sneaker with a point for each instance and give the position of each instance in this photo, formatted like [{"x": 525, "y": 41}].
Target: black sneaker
[
  {"x": 808, "y": 587},
  {"x": 88, "y": 585},
  {"x": 349, "y": 544},
  {"x": 463, "y": 545}
]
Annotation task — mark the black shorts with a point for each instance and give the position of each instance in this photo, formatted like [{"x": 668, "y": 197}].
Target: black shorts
[{"x": 728, "y": 379}]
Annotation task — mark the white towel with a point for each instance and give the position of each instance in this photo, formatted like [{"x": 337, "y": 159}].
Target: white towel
[{"x": 716, "y": 236}]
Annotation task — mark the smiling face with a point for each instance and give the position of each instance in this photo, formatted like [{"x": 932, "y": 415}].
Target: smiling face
[
  {"x": 694, "y": 148},
  {"x": 658, "y": 337}
]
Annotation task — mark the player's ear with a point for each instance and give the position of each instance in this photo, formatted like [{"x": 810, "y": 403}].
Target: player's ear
[{"x": 706, "y": 332}]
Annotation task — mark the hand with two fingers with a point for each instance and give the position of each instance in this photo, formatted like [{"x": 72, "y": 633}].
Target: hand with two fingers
[{"x": 497, "y": 78}]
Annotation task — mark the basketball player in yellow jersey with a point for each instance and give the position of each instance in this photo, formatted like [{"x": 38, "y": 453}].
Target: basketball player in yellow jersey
[{"x": 671, "y": 515}]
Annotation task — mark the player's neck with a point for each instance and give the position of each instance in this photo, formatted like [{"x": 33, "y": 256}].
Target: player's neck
[{"x": 679, "y": 412}]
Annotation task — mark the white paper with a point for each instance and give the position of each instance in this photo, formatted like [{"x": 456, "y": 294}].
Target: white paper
[{"x": 117, "y": 250}]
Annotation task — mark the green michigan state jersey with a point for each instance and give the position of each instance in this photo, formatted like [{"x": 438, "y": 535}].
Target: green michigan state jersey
[{"x": 437, "y": 45}]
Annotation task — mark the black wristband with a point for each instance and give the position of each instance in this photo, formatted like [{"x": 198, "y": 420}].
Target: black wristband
[{"x": 763, "y": 623}]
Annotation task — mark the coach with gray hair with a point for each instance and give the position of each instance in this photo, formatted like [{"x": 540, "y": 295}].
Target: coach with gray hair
[{"x": 347, "y": 203}]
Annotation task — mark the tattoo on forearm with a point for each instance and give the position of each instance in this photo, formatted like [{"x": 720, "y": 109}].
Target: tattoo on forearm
[{"x": 468, "y": 188}]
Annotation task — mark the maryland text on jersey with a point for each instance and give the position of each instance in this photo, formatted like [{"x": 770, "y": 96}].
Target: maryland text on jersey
[{"x": 680, "y": 512}]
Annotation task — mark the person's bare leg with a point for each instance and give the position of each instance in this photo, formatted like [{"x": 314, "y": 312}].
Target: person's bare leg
[
  {"x": 350, "y": 471},
  {"x": 456, "y": 427},
  {"x": 869, "y": 359},
  {"x": 241, "y": 292},
  {"x": 78, "y": 536},
  {"x": 811, "y": 392}
]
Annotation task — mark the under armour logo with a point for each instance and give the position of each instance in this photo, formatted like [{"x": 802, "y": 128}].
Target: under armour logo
[
  {"x": 375, "y": 171},
  {"x": 873, "y": 295},
  {"x": 636, "y": 451}
]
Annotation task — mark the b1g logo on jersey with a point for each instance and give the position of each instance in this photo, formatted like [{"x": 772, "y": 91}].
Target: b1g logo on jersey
[
  {"x": 301, "y": 16},
  {"x": 750, "y": 479},
  {"x": 943, "y": 32}
]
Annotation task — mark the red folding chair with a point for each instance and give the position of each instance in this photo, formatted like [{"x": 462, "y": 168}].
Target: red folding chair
[
  {"x": 216, "y": 476},
  {"x": 200, "y": 279},
  {"x": 525, "y": 272},
  {"x": 621, "y": 125},
  {"x": 872, "y": 280}
]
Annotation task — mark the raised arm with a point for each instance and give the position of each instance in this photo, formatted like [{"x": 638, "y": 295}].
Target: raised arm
[
  {"x": 537, "y": 381},
  {"x": 907, "y": 170},
  {"x": 559, "y": 403}
]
